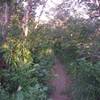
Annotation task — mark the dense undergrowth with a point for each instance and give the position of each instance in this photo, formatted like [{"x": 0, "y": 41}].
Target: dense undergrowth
[
  {"x": 29, "y": 61},
  {"x": 82, "y": 61},
  {"x": 27, "y": 71},
  {"x": 87, "y": 80}
]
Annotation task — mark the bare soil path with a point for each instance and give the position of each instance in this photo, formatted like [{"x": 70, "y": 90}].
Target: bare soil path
[{"x": 60, "y": 82}]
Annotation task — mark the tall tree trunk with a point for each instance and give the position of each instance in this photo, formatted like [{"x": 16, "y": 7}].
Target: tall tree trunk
[
  {"x": 5, "y": 20},
  {"x": 27, "y": 13}
]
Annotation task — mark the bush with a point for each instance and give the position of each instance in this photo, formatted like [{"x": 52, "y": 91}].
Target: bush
[
  {"x": 66, "y": 52},
  {"x": 27, "y": 72},
  {"x": 86, "y": 85}
]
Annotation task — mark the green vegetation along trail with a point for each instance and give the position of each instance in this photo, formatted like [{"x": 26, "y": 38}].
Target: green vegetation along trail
[{"x": 60, "y": 82}]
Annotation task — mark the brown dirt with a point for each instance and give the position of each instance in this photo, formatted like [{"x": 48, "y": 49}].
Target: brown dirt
[{"x": 60, "y": 82}]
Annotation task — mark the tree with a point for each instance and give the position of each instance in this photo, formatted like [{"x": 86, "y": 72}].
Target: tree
[
  {"x": 4, "y": 16},
  {"x": 24, "y": 10}
]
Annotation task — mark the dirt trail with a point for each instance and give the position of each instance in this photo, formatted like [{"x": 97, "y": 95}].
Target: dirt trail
[{"x": 60, "y": 82}]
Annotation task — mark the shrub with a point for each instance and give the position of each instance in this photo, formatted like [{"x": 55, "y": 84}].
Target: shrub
[
  {"x": 86, "y": 85},
  {"x": 27, "y": 73}
]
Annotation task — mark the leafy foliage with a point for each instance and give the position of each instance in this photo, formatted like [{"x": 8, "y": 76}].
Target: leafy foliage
[
  {"x": 80, "y": 51},
  {"x": 27, "y": 72},
  {"x": 87, "y": 80}
]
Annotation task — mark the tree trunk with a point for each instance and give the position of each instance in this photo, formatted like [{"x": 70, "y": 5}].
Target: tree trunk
[
  {"x": 25, "y": 20},
  {"x": 5, "y": 20}
]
